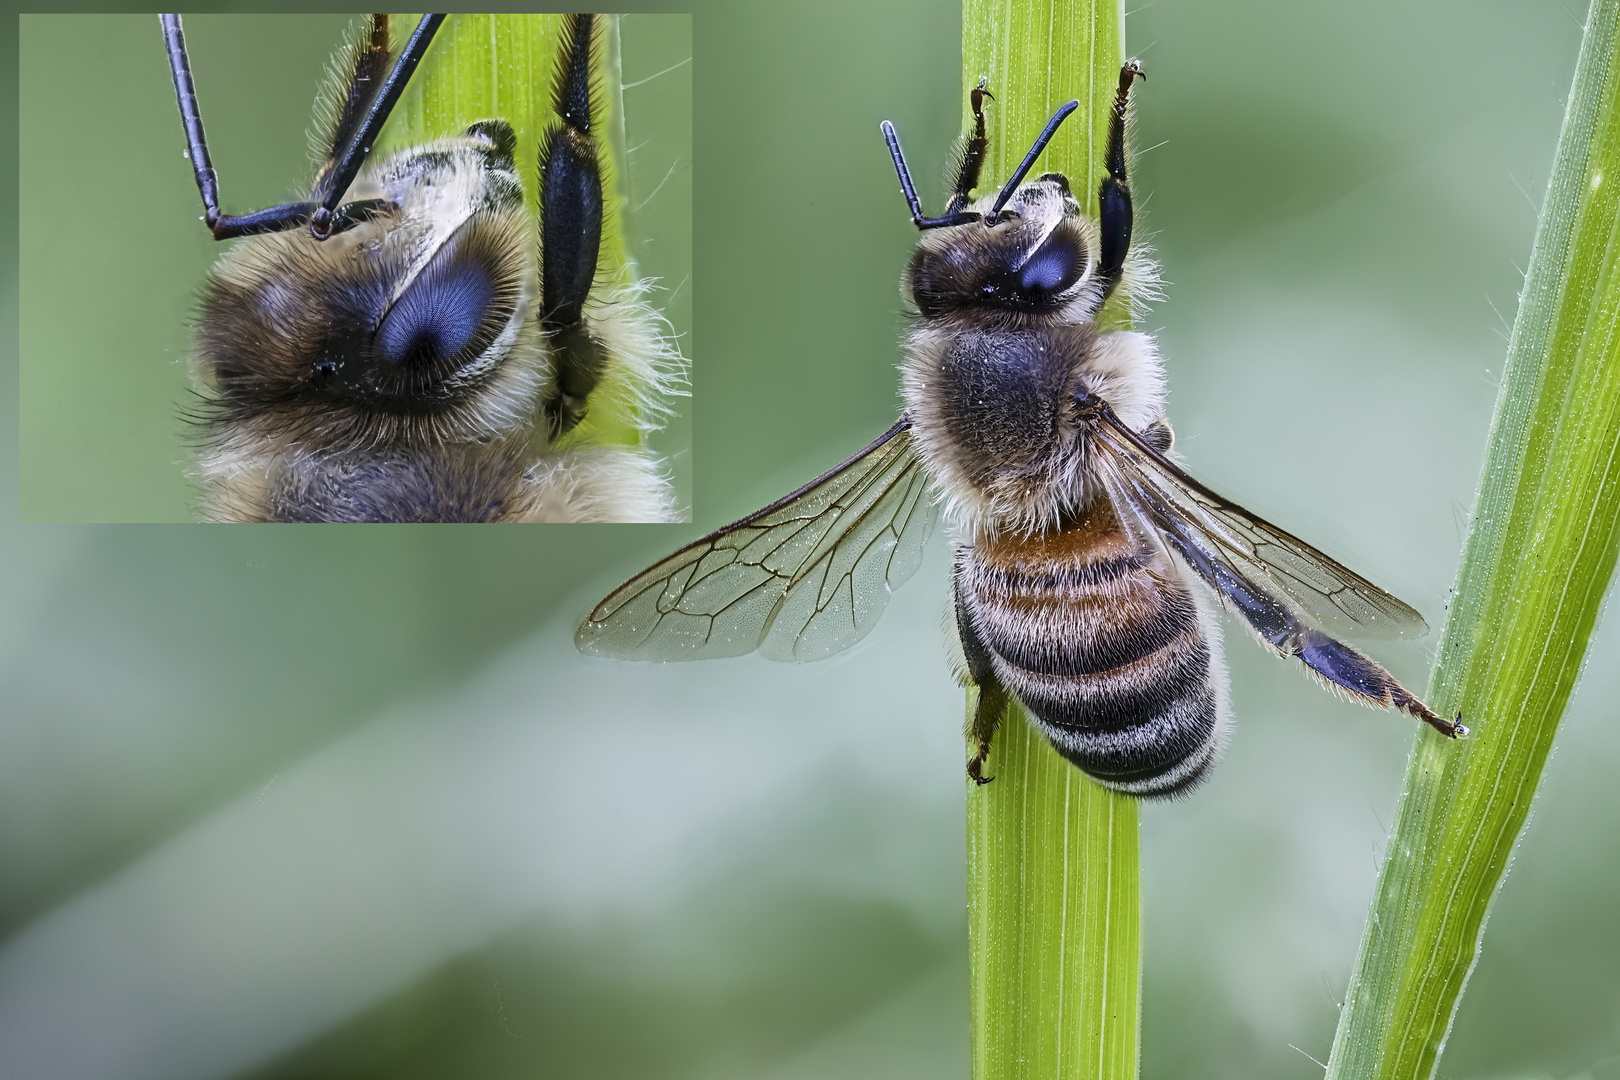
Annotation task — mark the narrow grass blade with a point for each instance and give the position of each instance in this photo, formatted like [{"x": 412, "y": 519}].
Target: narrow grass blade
[
  {"x": 1054, "y": 918},
  {"x": 1540, "y": 551},
  {"x": 1053, "y": 888}
]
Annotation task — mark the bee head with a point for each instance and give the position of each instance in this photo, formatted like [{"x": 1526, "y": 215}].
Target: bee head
[
  {"x": 404, "y": 321},
  {"x": 1036, "y": 257}
]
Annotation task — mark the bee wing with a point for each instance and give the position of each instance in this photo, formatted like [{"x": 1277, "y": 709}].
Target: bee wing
[
  {"x": 801, "y": 579},
  {"x": 1220, "y": 539}
]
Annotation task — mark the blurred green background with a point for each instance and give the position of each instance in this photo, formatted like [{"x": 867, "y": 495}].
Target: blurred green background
[
  {"x": 288, "y": 802},
  {"x": 104, "y": 383}
]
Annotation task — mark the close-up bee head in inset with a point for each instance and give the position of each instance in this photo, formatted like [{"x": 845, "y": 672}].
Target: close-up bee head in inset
[{"x": 424, "y": 339}]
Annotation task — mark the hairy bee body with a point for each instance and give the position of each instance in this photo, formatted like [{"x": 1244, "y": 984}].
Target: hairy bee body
[
  {"x": 1089, "y": 561},
  {"x": 1094, "y": 629}
]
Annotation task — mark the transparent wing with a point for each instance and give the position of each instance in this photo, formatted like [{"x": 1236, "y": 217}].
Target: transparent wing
[
  {"x": 801, "y": 579},
  {"x": 1325, "y": 592}
]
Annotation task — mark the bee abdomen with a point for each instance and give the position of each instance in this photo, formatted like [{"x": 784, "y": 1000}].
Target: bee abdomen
[
  {"x": 1107, "y": 651},
  {"x": 1092, "y": 631},
  {"x": 1147, "y": 728}
]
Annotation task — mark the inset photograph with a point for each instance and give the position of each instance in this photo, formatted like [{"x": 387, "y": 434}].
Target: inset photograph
[{"x": 313, "y": 268}]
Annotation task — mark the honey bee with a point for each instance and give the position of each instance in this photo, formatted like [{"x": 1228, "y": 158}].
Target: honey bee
[
  {"x": 411, "y": 344},
  {"x": 1087, "y": 560}
]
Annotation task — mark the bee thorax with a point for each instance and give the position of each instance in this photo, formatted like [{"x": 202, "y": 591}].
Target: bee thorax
[{"x": 995, "y": 414}]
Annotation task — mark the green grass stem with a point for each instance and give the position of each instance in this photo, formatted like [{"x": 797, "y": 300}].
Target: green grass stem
[
  {"x": 1053, "y": 885},
  {"x": 1539, "y": 554}
]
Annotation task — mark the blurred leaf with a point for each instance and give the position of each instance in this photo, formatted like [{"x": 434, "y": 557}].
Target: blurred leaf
[{"x": 1540, "y": 551}]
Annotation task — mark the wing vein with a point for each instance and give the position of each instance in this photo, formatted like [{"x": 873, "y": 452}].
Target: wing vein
[{"x": 799, "y": 579}]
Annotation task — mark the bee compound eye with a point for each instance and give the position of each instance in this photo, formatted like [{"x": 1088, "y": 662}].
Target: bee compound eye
[
  {"x": 1052, "y": 267},
  {"x": 438, "y": 316}
]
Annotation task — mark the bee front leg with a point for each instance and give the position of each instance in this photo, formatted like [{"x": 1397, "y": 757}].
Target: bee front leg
[
  {"x": 570, "y": 233},
  {"x": 973, "y": 153},
  {"x": 1115, "y": 214}
]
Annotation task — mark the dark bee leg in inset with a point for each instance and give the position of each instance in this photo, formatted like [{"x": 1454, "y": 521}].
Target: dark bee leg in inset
[
  {"x": 1115, "y": 215},
  {"x": 973, "y": 152},
  {"x": 288, "y": 215},
  {"x": 992, "y": 701},
  {"x": 570, "y": 232},
  {"x": 370, "y": 61},
  {"x": 1333, "y": 661},
  {"x": 335, "y": 181}
]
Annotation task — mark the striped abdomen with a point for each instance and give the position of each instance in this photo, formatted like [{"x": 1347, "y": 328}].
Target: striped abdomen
[{"x": 1104, "y": 644}]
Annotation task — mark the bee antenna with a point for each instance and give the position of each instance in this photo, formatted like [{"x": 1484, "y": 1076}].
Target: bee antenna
[
  {"x": 1029, "y": 160},
  {"x": 910, "y": 190}
]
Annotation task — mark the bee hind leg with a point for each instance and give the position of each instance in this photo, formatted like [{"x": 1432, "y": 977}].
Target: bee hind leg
[
  {"x": 1336, "y": 664},
  {"x": 1364, "y": 678}
]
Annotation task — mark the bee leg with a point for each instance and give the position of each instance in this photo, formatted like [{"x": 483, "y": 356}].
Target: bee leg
[
  {"x": 378, "y": 105},
  {"x": 1364, "y": 678},
  {"x": 1115, "y": 214},
  {"x": 992, "y": 699},
  {"x": 987, "y": 712},
  {"x": 367, "y": 65},
  {"x": 369, "y": 102},
  {"x": 967, "y": 169},
  {"x": 973, "y": 153},
  {"x": 570, "y": 232},
  {"x": 1334, "y": 662}
]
